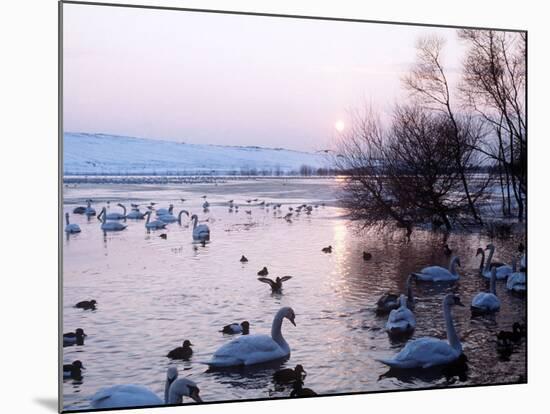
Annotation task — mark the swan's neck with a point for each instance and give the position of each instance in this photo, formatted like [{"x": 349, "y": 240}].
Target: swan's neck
[
  {"x": 167, "y": 390},
  {"x": 276, "y": 333},
  {"x": 410, "y": 296},
  {"x": 403, "y": 301},
  {"x": 148, "y": 218},
  {"x": 493, "y": 285},
  {"x": 67, "y": 219},
  {"x": 450, "y": 327},
  {"x": 482, "y": 261},
  {"x": 489, "y": 259},
  {"x": 123, "y": 208},
  {"x": 452, "y": 266},
  {"x": 195, "y": 219}
]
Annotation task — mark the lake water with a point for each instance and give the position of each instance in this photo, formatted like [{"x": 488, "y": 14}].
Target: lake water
[{"x": 153, "y": 293}]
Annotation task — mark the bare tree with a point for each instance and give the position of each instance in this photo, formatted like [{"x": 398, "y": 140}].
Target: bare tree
[
  {"x": 405, "y": 175},
  {"x": 494, "y": 76},
  {"x": 428, "y": 83}
]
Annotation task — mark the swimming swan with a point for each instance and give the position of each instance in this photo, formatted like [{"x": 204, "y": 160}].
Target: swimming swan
[
  {"x": 438, "y": 273},
  {"x": 71, "y": 228},
  {"x": 137, "y": 395},
  {"x": 516, "y": 281},
  {"x": 255, "y": 349},
  {"x": 428, "y": 352},
  {"x": 401, "y": 320},
  {"x": 503, "y": 269},
  {"x": 89, "y": 211},
  {"x": 153, "y": 225},
  {"x": 201, "y": 231},
  {"x": 109, "y": 225},
  {"x": 486, "y": 302},
  {"x": 390, "y": 301},
  {"x": 116, "y": 215},
  {"x": 135, "y": 214},
  {"x": 162, "y": 211}
]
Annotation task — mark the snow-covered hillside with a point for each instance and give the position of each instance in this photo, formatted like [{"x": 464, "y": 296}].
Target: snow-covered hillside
[{"x": 92, "y": 154}]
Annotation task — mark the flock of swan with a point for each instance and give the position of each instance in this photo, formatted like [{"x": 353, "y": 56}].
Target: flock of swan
[{"x": 253, "y": 349}]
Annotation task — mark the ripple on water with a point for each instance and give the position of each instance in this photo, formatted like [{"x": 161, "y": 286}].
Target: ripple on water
[{"x": 154, "y": 293}]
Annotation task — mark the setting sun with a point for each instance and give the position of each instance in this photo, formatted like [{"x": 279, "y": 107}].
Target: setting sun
[{"x": 339, "y": 125}]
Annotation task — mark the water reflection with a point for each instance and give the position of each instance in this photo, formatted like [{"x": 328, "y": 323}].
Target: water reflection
[{"x": 153, "y": 293}]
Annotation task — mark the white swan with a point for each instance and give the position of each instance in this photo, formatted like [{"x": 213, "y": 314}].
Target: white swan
[
  {"x": 440, "y": 274},
  {"x": 89, "y": 211},
  {"x": 71, "y": 228},
  {"x": 162, "y": 211},
  {"x": 135, "y": 214},
  {"x": 429, "y": 352},
  {"x": 486, "y": 302},
  {"x": 516, "y": 281},
  {"x": 153, "y": 225},
  {"x": 401, "y": 320},
  {"x": 109, "y": 225},
  {"x": 201, "y": 231},
  {"x": 168, "y": 218},
  {"x": 503, "y": 269},
  {"x": 137, "y": 396},
  {"x": 116, "y": 215},
  {"x": 255, "y": 349}
]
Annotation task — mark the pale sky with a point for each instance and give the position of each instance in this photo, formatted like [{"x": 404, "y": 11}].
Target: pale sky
[{"x": 227, "y": 79}]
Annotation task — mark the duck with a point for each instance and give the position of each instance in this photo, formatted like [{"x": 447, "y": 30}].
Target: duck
[
  {"x": 72, "y": 338},
  {"x": 289, "y": 375},
  {"x": 506, "y": 337},
  {"x": 71, "y": 227},
  {"x": 503, "y": 269},
  {"x": 427, "y": 352},
  {"x": 263, "y": 272},
  {"x": 327, "y": 249},
  {"x": 163, "y": 236},
  {"x": 390, "y": 301},
  {"x": 73, "y": 370},
  {"x": 79, "y": 210},
  {"x": 487, "y": 302},
  {"x": 277, "y": 284},
  {"x": 109, "y": 225},
  {"x": 163, "y": 211},
  {"x": 299, "y": 391},
  {"x": 130, "y": 395},
  {"x": 89, "y": 211},
  {"x": 243, "y": 259},
  {"x": 249, "y": 350},
  {"x": 516, "y": 281},
  {"x": 236, "y": 328},
  {"x": 116, "y": 215},
  {"x": 86, "y": 304},
  {"x": 438, "y": 273},
  {"x": 367, "y": 256},
  {"x": 181, "y": 352},
  {"x": 153, "y": 225},
  {"x": 401, "y": 321},
  {"x": 201, "y": 231}
]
